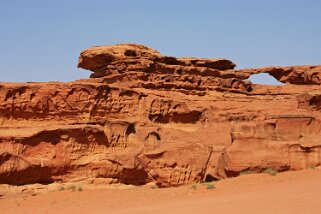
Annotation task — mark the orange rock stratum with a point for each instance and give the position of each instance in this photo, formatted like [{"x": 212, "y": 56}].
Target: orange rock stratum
[{"x": 143, "y": 117}]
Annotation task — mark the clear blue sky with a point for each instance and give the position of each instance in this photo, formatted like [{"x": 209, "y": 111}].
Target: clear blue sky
[{"x": 41, "y": 40}]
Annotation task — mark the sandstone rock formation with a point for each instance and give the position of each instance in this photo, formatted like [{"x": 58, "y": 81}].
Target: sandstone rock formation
[{"x": 143, "y": 117}]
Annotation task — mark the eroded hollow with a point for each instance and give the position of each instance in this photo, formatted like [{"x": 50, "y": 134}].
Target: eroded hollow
[
  {"x": 188, "y": 117},
  {"x": 130, "y": 53}
]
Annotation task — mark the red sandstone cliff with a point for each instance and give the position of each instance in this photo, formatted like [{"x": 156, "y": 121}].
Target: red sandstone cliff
[{"x": 145, "y": 117}]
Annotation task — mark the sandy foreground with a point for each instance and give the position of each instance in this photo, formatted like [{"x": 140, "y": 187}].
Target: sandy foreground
[{"x": 289, "y": 192}]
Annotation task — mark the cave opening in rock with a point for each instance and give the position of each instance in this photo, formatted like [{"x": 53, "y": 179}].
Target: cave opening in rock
[
  {"x": 209, "y": 178},
  {"x": 264, "y": 79}
]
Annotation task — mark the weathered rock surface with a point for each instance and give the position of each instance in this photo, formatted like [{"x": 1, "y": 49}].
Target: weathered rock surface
[{"x": 143, "y": 117}]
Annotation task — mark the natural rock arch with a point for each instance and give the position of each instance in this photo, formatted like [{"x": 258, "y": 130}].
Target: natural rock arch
[{"x": 264, "y": 79}]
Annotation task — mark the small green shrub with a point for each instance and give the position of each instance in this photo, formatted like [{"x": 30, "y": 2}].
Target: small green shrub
[
  {"x": 246, "y": 172},
  {"x": 209, "y": 185},
  {"x": 72, "y": 188},
  {"x": 61, "y": 188},
  {"x": 80, "y": 189},
  {"x": 313, "y": 167},
  {"x": 270, "y": 171},
  {"x": 194, "y": 187}
]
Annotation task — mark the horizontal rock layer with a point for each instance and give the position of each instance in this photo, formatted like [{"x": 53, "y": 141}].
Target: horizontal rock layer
[{"x": 144, "y": 117}]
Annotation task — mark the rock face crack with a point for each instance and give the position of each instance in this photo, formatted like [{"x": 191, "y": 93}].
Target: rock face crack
[{"x": 207, "y": 165}]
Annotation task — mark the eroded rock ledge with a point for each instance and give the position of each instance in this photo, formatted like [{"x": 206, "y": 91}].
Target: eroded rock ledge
[{"x": 143, "y": 117}]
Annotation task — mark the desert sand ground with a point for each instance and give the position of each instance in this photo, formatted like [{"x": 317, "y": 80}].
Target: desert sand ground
[{"x": 289, "y": 192}]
